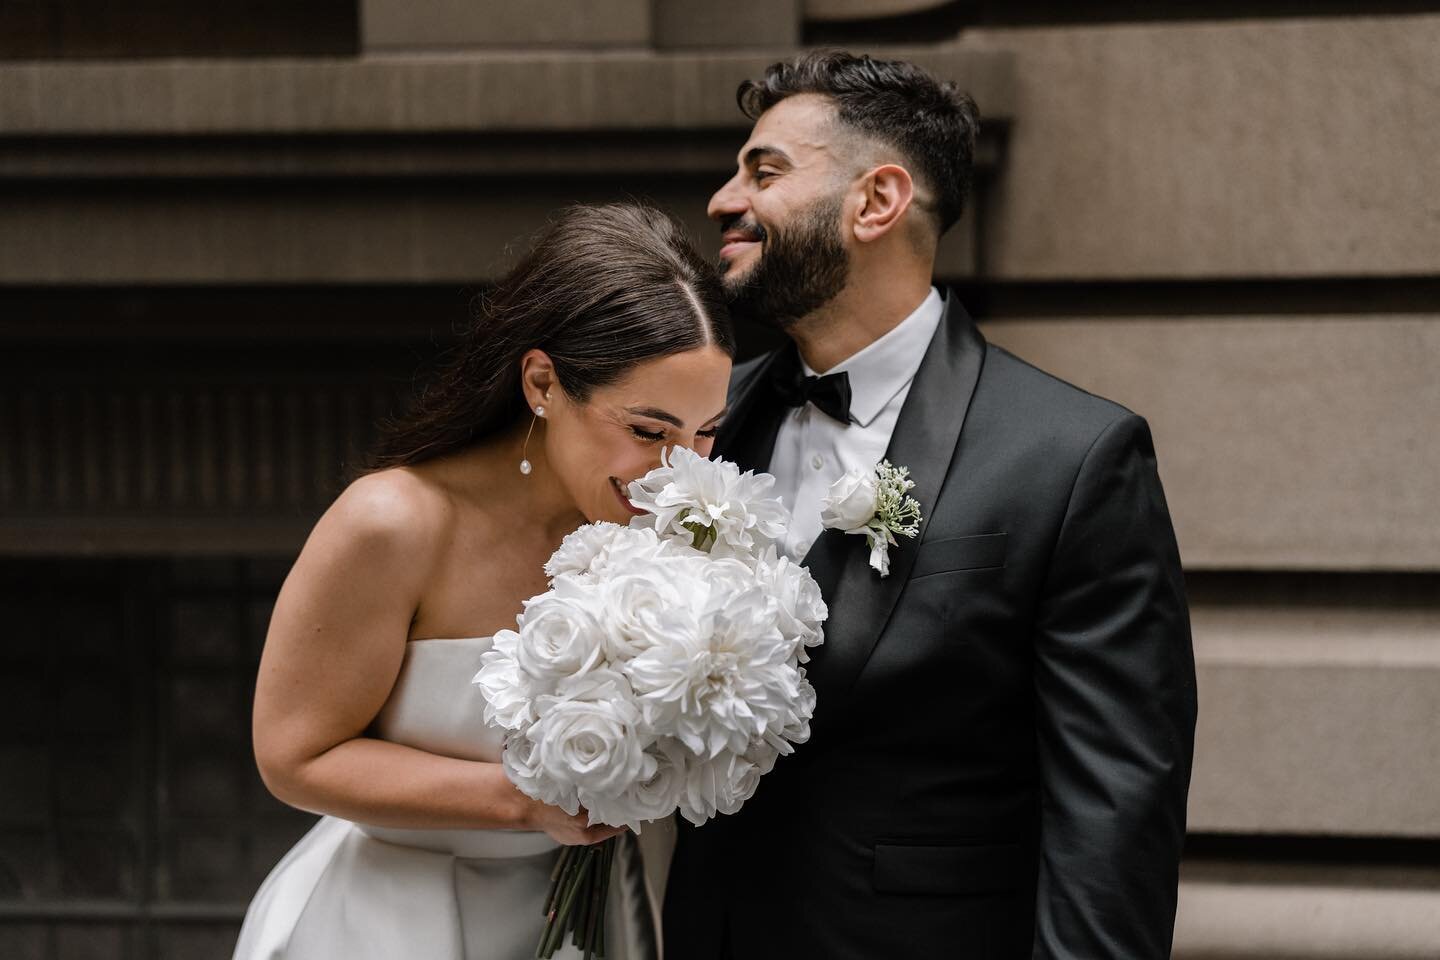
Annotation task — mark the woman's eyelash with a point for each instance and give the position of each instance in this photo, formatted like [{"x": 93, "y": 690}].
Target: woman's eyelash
[{"x": 657, "y": 437}]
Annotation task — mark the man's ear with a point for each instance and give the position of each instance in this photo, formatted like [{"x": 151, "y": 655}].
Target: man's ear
[{"x": 886, "y": 193}]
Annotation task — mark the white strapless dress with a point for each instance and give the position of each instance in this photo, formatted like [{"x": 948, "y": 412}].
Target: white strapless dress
[{"x": 352, "y": 891}]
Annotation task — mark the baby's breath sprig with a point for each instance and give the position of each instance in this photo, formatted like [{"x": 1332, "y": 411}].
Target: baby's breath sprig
[
  {"x": 874, "y": 502},
  {"x": 896, "y": 512}
]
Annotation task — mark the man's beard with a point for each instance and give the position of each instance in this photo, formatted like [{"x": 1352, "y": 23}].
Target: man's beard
[{"x": 798, "y": 272}]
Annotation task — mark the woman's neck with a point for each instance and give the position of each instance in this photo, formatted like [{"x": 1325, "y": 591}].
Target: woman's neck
[{"x": 489, "y": 475}]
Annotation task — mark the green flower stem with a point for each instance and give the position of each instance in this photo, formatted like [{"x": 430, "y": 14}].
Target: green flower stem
[
  {"x": 555, "y": 875},
  {"x": 575, "y": 872},
  {"x": 597, "y": 904},
  {"x": 608, "y": 865},
  {"x": 582, "y": 904}
]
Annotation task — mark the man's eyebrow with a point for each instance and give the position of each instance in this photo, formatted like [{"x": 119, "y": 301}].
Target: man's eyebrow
[
  {"x": 655, "y": 413},
  {"x": 756, "y": 155}
]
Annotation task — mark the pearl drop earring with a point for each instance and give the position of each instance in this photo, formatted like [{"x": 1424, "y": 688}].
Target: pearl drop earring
[{"x": 525, "y": 466}]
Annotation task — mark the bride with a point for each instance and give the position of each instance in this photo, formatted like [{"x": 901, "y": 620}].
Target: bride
[{"x": 607, "y": 343}]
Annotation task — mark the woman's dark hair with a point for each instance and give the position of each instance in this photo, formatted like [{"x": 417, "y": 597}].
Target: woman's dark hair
[
  {"x": 604, "y": 288},
  {"x": 932, "y": 124}
]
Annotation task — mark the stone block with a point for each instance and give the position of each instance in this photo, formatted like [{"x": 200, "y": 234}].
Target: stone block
[
  {"x": 1284, "y": 442},
  {"x": 739, "y": 23},
  {"x": 1305, "y": 921},
  {"x": 100, "y": 941},
  {"x": 1297, "y": 147},
  {"x": 387, "y": 25},
  {"x": 24, "y": 941},
  {"x": 1318, "y": 703},
  {"x": 499, "y": 91},
  {"x": 1320, "y": 748}
]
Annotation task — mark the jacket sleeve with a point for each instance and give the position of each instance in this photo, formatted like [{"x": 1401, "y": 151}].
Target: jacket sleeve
[{"x": 1115, "y": 701}]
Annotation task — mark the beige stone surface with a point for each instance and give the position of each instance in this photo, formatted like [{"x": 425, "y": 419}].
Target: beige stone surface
[
  {"x": 1284, "y": 442},
  {"x": 471, "y": 92},
  {"x": 736, "y": 23},
  {"x": 468, "y": 234},
  {"x": 1317, "y": 717},
  {"x": 357, "y": 234},
  {"x": 442, "y": 24},
  {"x": 1269, "y": 148},
  {"x": 866, "y": 9},
  {"x": 1304, "y": 921}
]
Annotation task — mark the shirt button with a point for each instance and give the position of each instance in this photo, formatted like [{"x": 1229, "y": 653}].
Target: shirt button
[{"x": 817, "y": 461}]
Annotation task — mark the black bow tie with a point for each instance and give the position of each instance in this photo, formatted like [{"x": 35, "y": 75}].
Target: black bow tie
[{"x": 830, "y": 394}]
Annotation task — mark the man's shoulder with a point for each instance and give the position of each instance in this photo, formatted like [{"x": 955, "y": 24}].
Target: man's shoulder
[{"x": 1033, "y": 401}]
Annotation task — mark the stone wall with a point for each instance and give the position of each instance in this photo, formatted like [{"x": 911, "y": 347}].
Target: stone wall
[{"x": 1228, "y": 224}]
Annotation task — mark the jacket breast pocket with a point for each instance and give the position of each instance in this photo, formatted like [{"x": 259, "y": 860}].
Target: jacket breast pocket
[
  {"x": 973, "y": 869},
  {"x": 980, "y": 552}
]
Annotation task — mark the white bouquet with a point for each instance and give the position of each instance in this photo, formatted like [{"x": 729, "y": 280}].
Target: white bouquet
[{"x": 662, "y": 670}]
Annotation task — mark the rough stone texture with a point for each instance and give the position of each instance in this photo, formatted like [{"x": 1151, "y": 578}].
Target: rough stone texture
[
  {"x": 1296, "y": 148},
  {"x": 341, "y": 235},
  {"x": 1284, "y": 442},
  {"x": 1305, "y": 921},
  {"x": 866, "y": 9},
  {"x": 361, "y": 232},
  {"x": 546, "y": 91},
  {"x": 440, "y": 24},
  {"x": 1317, "y": 719},
  {"x": 737, "y": 23}
]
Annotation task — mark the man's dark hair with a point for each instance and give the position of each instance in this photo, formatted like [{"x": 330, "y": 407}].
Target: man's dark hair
[{"x": 932, "y": 124}]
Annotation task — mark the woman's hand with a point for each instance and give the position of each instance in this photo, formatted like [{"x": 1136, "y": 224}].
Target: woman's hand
[{"x": 565, "y": 829}]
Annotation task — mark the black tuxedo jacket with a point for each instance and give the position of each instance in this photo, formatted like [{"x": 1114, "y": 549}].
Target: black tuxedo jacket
[{"x": 1001, "y": 748}]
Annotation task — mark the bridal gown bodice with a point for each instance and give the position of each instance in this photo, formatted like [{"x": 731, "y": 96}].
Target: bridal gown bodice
[{"x": 357, "y": 891}]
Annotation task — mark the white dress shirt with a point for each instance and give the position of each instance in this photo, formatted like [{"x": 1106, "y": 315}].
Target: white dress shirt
[{"x": 813, "y": 450}]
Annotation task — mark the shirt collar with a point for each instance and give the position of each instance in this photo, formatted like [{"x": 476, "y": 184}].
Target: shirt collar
[{"x": 886, "y": 366}]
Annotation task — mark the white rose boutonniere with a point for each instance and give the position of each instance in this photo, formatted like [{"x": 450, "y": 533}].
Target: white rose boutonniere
[{"x": 875, "y": 503}]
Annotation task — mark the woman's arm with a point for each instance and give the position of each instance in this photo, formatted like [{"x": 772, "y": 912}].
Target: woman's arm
[{"x": 335, "y": 646}]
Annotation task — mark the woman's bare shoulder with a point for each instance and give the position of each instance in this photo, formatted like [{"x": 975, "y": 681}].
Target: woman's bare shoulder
[{"x": 399, "y": 511}]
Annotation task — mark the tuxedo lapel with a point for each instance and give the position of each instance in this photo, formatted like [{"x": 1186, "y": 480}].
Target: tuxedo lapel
[
  {"x": 747, "y": 437},
  {"x": 925, "y": 438}
]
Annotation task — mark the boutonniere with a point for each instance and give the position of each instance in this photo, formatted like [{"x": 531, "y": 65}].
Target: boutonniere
[{"x": 877, "y": 504}]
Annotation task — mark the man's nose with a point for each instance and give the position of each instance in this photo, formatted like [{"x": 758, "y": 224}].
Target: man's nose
[{"x": 728, "y": 201}]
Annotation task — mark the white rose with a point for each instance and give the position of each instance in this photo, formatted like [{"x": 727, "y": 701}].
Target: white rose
[
  {"x": 738, "y": 783},
  {"x": 521, "y": 763},
  {"x": 630, "y": 547},
  {"x": 593, "y": 745},
  {"x": 559, "y": 635},
  {"x": 645, "y": 801},
  {"x": 580, "y": 550},
  {"x": 851, "y": 502},
  {"x": 508, "y": 697},
  {"x": 721, "y": 784},
  {"x": 636, "y": 608},
  {"x": 797, "y": 730},
  {"x": 802, "y": 609}
]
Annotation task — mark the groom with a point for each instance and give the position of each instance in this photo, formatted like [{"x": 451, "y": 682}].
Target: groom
[{"x": 1001, "y": 749}]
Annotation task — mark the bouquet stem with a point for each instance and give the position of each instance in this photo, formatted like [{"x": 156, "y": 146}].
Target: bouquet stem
[{"x": 579, "y": 888}]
